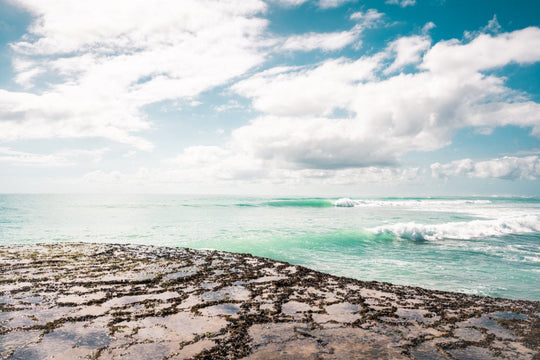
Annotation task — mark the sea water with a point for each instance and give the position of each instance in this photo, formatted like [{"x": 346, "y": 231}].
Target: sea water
[{"x": 484, "y": 246}]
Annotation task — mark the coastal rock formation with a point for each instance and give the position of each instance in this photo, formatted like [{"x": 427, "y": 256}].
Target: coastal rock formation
[{"x": 101, "y": 301}]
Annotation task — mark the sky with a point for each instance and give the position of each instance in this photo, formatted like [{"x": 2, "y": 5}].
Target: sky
[{"x": 290, "y": 97}]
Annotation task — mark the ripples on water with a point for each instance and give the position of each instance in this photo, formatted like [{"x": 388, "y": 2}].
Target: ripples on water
[{"x": 485, "y": 246}]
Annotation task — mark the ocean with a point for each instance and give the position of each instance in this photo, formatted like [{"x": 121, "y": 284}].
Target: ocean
[{"x": 483, "y": 246}]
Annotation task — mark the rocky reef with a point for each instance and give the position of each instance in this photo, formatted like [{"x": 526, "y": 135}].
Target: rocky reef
[{"x": 102, "y": 301}]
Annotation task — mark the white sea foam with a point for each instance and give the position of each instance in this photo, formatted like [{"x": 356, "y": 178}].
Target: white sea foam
[
  {"x": 405, "y": 203},
  {"x": 462, "y": 229},
  {"x": 345, "y": 202}
]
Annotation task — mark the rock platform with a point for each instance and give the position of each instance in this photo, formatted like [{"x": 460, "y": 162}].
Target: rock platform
[{"x": 102, "y": 301}]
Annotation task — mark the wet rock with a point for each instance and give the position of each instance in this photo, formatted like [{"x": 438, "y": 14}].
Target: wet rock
[
  {"x": 102, "y": 301},
  {"x": 472, "y": 353}
]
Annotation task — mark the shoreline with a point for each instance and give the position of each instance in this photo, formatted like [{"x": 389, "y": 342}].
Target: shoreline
[{"x": 120, "y": 301}]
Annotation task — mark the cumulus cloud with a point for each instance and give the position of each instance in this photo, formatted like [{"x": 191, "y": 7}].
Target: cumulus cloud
[
  {"x": 408, "y": 50},
  {"x": 307, "y": 90},
  {"x": 69, "y": 115},
  {"x": 103, "y": 26},
  {"x": 385, "y": 116},
  {"x": 222, "y": 168},
  {"x": 508, "y": 167},
  {"x": 103, "y": 61},
  {"x": 484, "y": 52},
  {"x": 316, "y": 143},
  {"x": 210, "y": 163},
  {"x": 26, "y": 71},
  {"x": 89, "y": 69}
]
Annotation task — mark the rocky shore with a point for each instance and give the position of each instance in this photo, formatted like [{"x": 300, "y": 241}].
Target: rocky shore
[{"x": 100, "y": 301}]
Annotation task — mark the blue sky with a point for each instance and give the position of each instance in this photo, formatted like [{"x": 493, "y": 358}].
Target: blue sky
[{"x": 327, "y": 97}]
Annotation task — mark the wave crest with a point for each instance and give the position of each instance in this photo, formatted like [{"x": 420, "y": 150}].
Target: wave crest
[
  {"x": 462, "y": 230},
  {"x": 345, "y": 202},
  {"x": 313, "y": 203},
  {"x": 426, "y": 203}
]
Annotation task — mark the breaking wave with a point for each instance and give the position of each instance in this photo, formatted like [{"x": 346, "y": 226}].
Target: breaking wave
[
  {"x": 462, "y": 230},
  {"x": 346, "y": 202},
  {"x": 435, "y": 204}
]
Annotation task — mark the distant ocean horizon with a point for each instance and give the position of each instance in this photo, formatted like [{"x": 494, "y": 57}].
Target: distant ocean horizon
[{"x": 476, "y": 245}]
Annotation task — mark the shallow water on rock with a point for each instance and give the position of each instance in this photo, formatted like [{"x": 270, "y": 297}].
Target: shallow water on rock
[{"x": 255, "y": 309}]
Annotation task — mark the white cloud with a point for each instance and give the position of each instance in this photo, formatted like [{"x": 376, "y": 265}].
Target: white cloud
[
  {"x": 408, "y": 50},
  {"x": 334, "y": 40},
  {"x": 323, "y": 4},
  {"x": 312, "y": 143},
  {"x": 326, "y": 4},
  {"x": 224, "y": 168},
  {"x": 484, "y": 52},
  {"x": 69, "y": 114},
  {"x": 508, "y": 167},
  {"x": 370, "y": 17},
  {"x": 14, "y": 157},
  {"x": 129, "y": 154},
  {"x": 385, "y": 117},
  {"x": 103, "y": 26},
  {"x": 211, "y": 163},
  {"x": 338, "y": 121},
  {"x": 305, "y": 90},
  {"x": 493, "y": 26},
  {"x": 289, "y": 3},
  {"x": 107, "y": 178},
  {"x": 26, "y": 72},
  {"x": 230, "y": 105},
  {"x": 62, "y": 158},
  {"x": 323, "y": 41},
  {"x": 429, "y": 25},
  {"x": 105, "y": 60},
  {"x": 376, "y": 175},
  {"x": 402, "y": 3},
  {"x": 534, "y": 151}
]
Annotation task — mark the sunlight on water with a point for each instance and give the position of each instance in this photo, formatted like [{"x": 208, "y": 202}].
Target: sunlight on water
[{"x": 485, "y": 246}]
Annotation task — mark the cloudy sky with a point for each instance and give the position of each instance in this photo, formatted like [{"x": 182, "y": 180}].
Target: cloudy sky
[{"x": 307, "y": 97}]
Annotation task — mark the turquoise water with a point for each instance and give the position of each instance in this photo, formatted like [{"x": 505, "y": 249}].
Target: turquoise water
[{"x": 484, "y": 246}]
